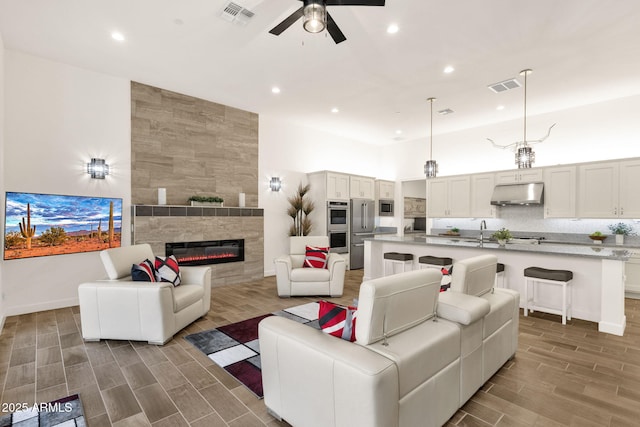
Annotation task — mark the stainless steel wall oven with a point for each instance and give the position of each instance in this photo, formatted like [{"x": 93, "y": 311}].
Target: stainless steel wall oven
[{"x": 338, "y": 226}]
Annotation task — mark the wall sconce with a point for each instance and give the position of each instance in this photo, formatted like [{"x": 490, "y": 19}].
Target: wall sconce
[
  {"x": 275, "y": 184},
  {"x": 98, "y": 168}
]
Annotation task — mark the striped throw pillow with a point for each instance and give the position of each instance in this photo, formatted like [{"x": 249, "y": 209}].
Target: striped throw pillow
[
  {"x": 316, "y": 257},
  {"x": 143, "y": 272},
  {"x": 337, "y": 320}
]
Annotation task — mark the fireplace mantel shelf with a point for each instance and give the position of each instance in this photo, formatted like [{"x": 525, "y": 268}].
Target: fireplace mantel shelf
[{"x": 182, "y": 210}]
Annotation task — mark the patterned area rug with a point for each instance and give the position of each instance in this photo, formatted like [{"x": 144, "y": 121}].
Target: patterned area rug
[
  {"x": 235, "y": 347},
  {"x": 65, "y": 412}
]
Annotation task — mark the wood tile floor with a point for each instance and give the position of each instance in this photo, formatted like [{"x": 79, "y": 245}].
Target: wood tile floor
[{"x": 561, "y": 375}]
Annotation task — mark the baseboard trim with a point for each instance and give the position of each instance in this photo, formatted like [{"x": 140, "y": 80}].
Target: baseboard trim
[{"x": 34, "y": 308}]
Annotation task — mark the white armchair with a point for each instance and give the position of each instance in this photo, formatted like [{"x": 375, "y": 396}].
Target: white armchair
[
  {"x": 122, "y": 309},
  {"x": 294, "y": 280}
]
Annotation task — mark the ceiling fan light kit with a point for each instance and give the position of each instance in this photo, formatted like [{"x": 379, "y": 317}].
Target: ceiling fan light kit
[{"x": 316, "y": 18}]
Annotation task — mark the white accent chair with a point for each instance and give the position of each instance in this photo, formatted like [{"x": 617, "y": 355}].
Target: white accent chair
[
  {"x": 294, "y": 280},
  {"x": 122, "y": 309}
]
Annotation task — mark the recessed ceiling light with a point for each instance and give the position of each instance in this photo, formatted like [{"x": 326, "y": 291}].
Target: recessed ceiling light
[
  {"x": 449, "y": 69},
  {"x": 392, "y": 29},
  {"x": 334, "y": 110},
  {"x": 500, "y": 107},
  {"x": 399, "y": 132},
  {"x": 116, "y": 35},
  {"x": 275, "y": 89}
]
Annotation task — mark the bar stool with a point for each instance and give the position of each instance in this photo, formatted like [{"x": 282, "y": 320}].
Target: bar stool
[
  {"x": 500, "y": 274},
  {"x": 391, "y": 259},
  {"x": 444, "y": 264},
  {"x": 534, "y": 275}
]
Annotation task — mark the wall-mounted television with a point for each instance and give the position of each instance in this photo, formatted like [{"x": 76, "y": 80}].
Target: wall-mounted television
[{"x": 51, "y": 224}]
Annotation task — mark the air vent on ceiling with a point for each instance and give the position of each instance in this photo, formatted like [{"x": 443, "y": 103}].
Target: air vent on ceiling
[
  {"x": 505, "y": 85},
  {"x": 445, "y": 111},
  {"x": 233, "y": 12}
]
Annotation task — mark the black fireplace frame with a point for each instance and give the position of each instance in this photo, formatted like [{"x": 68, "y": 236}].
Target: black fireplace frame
[{"x": 238, "y": 244}]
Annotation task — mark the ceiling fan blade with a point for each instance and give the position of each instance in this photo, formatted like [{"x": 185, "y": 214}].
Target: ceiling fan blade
[
  {"x": 355, "y": 2},
  {"x": 334, "y": 31},
  {"x": 278, "y": 29}
]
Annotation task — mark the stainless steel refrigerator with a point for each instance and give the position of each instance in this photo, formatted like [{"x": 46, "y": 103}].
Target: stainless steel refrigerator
[{"x": 362, "y": 223}]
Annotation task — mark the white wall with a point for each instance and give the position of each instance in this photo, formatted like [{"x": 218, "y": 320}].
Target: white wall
[
  {"x": 2, "y": 159},
  {"x": 58, "y": 117},
  {"x": 607, "y": 130},
  {"x": 290, "y": 152}
]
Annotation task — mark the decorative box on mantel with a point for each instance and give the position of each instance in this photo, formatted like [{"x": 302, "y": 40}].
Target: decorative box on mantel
[{"x": 160, "y": 224}]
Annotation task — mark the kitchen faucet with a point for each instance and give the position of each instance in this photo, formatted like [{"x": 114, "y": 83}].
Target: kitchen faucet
[{"x": 483, "y": 226}]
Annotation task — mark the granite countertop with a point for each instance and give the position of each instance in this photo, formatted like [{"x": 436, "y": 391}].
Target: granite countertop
[{"x": 593, "y": 251}]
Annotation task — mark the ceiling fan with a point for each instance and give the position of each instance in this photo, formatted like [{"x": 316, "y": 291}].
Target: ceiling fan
[{"x": 316, "y": 17}]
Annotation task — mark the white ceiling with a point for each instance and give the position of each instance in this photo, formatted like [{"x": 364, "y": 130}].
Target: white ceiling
[{"x": 581, "y": 52}]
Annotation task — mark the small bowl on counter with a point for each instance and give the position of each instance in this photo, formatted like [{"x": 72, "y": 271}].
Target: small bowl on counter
[{"x": 597, "y": 238}]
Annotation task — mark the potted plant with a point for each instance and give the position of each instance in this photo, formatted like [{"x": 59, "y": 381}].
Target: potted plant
[
  {"x": 502, "y": 236},
  {"x": 206, "y": 201},
  {"x": 621, "y": 229},
  {"x": 597, "y": 236}
]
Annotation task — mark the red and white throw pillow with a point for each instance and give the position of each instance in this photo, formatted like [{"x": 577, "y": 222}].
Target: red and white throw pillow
[
  {"x": 337, "y": 320},
  {"x": 167, "y": 270},
  {"x": 143, "y": 272},
  {"x": 316, "y": 257}
]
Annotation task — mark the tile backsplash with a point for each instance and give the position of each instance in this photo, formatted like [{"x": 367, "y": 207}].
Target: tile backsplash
[{"x": 530, "y": 221}]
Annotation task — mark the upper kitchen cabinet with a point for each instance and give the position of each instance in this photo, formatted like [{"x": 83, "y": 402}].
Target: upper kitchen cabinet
[
  {"x": 449, "y": 197},
  {"x": 337, "y": 186},
  {"x": 606, "y": 190},
  {"x": 327, "y": 185},
  {"x": 560, "y": 192},
  {"x": 482, "y": 186},
  {"x": 519, "y": 176},
  {"x": 385, "y": 189},
  {"x": 629, "y": 194},
  {"x": 361, "y": 187}
]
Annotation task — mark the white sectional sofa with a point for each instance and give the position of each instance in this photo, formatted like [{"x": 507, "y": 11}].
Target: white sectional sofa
[{"x": 419, "y": 354}]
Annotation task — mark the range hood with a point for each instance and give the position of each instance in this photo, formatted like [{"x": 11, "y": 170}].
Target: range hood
[{"x": 518, "y": 194}]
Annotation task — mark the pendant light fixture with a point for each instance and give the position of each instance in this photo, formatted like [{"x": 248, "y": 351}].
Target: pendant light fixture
[
  {"x": 431, "y": 166},
  {"x": 524, "y": 154}
]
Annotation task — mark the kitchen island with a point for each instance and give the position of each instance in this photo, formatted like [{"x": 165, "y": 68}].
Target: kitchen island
[{"x": 598, "y": 272}]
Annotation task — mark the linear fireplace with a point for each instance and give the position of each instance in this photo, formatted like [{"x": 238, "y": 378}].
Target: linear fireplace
[{"x": 206, "y": 252}]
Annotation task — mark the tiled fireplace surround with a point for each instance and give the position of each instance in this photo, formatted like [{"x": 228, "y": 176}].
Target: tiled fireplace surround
[{"x": 195, "y": 147}]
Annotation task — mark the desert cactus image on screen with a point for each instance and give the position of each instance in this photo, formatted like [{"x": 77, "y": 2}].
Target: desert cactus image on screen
[{"x": 49, "y": 224}]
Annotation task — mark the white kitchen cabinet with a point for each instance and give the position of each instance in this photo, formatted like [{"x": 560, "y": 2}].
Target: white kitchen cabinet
[
  {"x": 560, "y": 192},
  {"x": 337, "y": 186},
  {"x": 385, "y": 189},
  {"x": 361, "y": 187},
  {"x": 482, "y": 186},
  {"x": 449, "y": 197},
  {"x": 629, "y": 203},
  {"x": 519, "y": 176},
  {"x": 609, "y": 190}
]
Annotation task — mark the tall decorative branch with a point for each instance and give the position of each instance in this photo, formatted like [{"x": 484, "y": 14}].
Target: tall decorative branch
[
  {"x": 25, "y": 229},
  {"x": 299, "y": 211}
]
